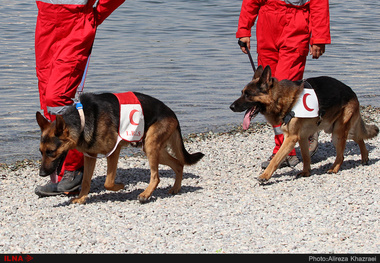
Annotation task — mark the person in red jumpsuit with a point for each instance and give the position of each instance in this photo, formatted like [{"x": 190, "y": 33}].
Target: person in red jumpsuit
[
  {"x": 286, "y": 31},
  {"x": 65, "y": 32}
]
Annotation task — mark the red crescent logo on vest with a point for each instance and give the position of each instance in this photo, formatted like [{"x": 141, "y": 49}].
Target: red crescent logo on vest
[
  {"x": 304, "y": 102},
  {"x": 131, "y": 117}
]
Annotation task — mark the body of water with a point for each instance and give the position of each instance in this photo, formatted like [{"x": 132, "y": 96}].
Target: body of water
[{"x": 182, "y": 52}]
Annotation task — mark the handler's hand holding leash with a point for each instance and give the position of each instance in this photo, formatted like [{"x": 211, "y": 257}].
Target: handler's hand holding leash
[{"x": 245, "y": 45}]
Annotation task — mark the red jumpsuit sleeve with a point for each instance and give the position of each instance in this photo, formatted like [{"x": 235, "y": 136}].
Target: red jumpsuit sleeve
[
  {"x": 105, "y": 8},
  {"x": 320, "y": 22},
  {"x": 248, "y": 14}
]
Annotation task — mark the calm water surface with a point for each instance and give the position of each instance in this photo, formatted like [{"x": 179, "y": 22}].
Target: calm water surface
[{"x": 182, "y": 52}]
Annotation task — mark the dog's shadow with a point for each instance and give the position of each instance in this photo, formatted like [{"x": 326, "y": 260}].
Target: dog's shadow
[
  {"x": 324, "y": 152},
  {"x": 131, "y": 177},
  {"x": 327, "y": 150}
]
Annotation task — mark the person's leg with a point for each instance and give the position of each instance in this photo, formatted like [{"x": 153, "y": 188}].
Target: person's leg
[
  {"x": 276, "y": 61},
  {"x": 291, "y": 66},
  {"x": 63, "y": 42},
  {"x": 64, "y": 37},
  {"x": 294, "y": 44},
  {"x": 269, "y": 28},
  {"x": 77, "y": 34}
]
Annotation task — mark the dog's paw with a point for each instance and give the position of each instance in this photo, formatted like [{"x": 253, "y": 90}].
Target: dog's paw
[
  {"x": 262, "y": 179},
  {"x": 332, "y": 171},
  {"x": 79, "y": 200},
  {"x": 143, "y": 199},
  {"x": 174, "y": 190},
  {"x": 114, "y": 187},
  {"x": 303, "y": 174}
]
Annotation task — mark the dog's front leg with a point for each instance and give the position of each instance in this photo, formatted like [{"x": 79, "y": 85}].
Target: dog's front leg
[
  {"x": 286, "y": 147},
  {"x": 89, "y": 166}
]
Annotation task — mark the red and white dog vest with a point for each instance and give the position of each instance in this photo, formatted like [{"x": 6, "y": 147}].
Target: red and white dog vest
[
  {"x": 131, "y": 127},
  {"x": 307, "y": 105}
]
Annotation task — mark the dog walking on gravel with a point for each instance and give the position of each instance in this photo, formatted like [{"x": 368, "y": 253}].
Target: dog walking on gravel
[
  {"x": 305, "y": 107},
  {"x": 102, "y": 124}
]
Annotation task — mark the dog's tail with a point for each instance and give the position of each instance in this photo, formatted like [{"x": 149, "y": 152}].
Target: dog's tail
[
  {"x": 366, "y": 131},
  {"x": 190, "y": 158},
  {"x": 370, "y": 131}
]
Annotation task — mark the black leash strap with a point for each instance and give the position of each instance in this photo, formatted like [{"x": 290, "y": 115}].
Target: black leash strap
[{"x": 243, "y": 44}]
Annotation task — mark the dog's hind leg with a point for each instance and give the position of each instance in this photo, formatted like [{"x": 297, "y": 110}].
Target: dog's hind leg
[
  {"x": 112, "y": 161},
  {"x": 176, "y": 163},
  {"x": 363, "y": 150},
  {"x": 339, "y": 138},
  {"x": 152, "y": 152},
  {"x": 167, "y": 159},
  {"x": 357, "y": 133},
  {"x": 89, "y": 166},
  {"x": 156, "y": 140},
  {"x": 304, "y": 146}
]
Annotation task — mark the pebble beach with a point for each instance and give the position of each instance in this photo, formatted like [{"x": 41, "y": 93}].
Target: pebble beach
[{"x": 221, "y": 207}]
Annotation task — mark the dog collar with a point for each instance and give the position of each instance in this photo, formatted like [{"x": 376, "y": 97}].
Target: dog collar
[{"x": 79, "y": 107}]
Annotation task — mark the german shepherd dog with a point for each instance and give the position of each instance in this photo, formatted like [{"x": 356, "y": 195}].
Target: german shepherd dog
[
  {"x": 101, "y": 111},
  {"x": 338, "y": 114}
]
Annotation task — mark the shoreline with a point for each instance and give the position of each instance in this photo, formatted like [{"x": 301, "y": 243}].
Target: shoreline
[{"x": 255, "y": 127}]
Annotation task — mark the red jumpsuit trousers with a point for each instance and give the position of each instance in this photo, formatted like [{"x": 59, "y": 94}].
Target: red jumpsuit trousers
[
  {"x": 284, "y": 33},
  {"x": 63, "y": 40}
]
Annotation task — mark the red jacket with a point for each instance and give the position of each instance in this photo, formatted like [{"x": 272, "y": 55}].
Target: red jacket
[{"x": 319, "y": 19}]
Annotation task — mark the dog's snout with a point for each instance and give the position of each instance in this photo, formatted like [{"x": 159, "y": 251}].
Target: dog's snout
[
  {"x": 43, "y": 172},
  {"x": 232, "y": 106}
]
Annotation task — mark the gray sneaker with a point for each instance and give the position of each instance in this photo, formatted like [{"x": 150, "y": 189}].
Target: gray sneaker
[
  {"x": 49, "y": 189},
  {"x": 71, "y": 181},
  {"x": 290, "y": 161}
]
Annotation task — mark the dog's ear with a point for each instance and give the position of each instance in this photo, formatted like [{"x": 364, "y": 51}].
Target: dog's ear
[
  {"x": 42, "y": 121},
  {"x": 258, "y": 72},
  {"x": 266, "y": 77},
  {"x": 60, "y": 126}
]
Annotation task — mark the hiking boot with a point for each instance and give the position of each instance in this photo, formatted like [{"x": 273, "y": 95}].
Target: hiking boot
[
  {"x": 71, "y": 181},
  {"x": 49, "y": 189},
  {"x": 313, "y": 143},
  {"x": 290, "y": 161}
]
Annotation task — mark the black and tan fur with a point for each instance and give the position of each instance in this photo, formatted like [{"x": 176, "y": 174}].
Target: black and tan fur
[
  {"x": 162, "y": 131},
  {"x": 339, "y": 115}
]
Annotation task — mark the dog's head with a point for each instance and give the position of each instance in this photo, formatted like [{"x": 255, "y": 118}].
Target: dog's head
[
  {"x": 54, "y": 145},
  {"x": 254, "y": 96}
]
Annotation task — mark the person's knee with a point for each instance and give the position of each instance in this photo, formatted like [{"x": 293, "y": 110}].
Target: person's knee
[{"x": 56, "y": 104}]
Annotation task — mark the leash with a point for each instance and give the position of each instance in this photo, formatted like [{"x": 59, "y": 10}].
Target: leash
[
  {"x": 80, "y": 88},
  {"x": 243, "y": 44},
  {"x": 81, "y": 85}
]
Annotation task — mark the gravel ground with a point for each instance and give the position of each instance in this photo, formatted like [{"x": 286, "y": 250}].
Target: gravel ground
[{"x": 220, "y": 209}]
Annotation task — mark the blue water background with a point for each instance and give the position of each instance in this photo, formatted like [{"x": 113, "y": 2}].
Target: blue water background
[{"x": 182, "y": 52}]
